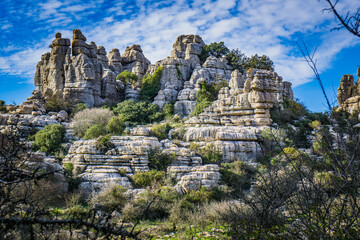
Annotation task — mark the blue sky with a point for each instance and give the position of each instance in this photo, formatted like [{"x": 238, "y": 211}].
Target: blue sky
[{"x": 269, "y": 27}]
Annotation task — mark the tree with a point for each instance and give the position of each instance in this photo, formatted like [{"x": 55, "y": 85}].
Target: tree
[
  {"x": 351, "y": 21},
  {"x": 261, "y": 62},
  {"x": 237, "y": 60},
  {"x": 151, "y": 85},
  {"x": 214, "y": 49}
]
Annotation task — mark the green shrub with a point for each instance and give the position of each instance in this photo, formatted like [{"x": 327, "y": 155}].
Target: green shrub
[
  {"x": 56, "y": 104},
  {"x": 94, "y": 131},
  {"x": 116, "y": 125},
  {"x": 210, "y": 155},
  {"x": 104, "y": 143},
  {"x": 138, "y": 112},
  {"x": 86, "y": 118},
  {"x": 178, "y": 134},
  {"x": 158, "y": 160},
  {"x": 127, "y": 77},
  {"x": 50, "y": 138},
  {"x": 168, "y": 109},
  {"x": 144, "y": 179},
  {"x": 161, "y": 131},
  {"x": 207, "y": 94},
  {"x": 78, "y": 108},
  {"x": 151, "y": 85},
  {"x": 72, "y": 180},
  {"x": 237, "y": 175},
  {"x": 260, "y": 62},
  {"x": 112, "y": 198},
  {"x": 213, "y": 49}
]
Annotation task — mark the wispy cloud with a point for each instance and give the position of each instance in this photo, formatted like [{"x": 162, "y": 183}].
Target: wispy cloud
[{"x": 268, "y": 27}]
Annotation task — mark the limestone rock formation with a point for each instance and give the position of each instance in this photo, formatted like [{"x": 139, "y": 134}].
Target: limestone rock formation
[
  {"x": 200, "y": 176},
  {"x": 82, "y": 73},
  {"x": 349, "y": 94}
]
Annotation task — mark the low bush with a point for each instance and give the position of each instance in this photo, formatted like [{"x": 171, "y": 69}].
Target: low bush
[
  {"x": 94, "y": 131},
  {"x": 237, "y": 175},
  {"x": 56, "y": 104},
  {"x": 144, "y": 179},
  {"x": 116, "y": 125},
  {"x": 161, "y": 131},
  {"x": 50, "y": 138},
  {"x": 127, "y": 77},
  {"x": 208, "y": 153},
  {"x": 138, "y": 112},
  {"x": 168, "y": 109},
  {"x": 86, "y": 118},
  {"x": 159, "y": 160},
  {"x": 111, "y": 199},
  {"x": 103, "y": 143}
]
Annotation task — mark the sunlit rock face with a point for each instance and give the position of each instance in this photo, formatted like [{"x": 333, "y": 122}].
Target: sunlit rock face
[
  {"x": 348, "y": 95},
  {"x": 82, "y": 73}
]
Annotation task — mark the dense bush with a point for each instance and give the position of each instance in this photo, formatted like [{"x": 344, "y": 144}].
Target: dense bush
[
  {"x": 208, "y": 153},
  {"x": 50, "y": 138},
  {"x": 144, "y": 179},
  {"x": 261, "y": 62},
  {"x": 168, "y": 110},
  {"x": 237, "y": 175},
  {"x": 104, "y": 143},
  {"x": 151, "y": 85},
  {"x": 112, "y": 198},
  {"x": 213, "y": 49},
  {"x": 138, "y": 112},
  {"x": 159, "y": 160},
  {"x": 94, "y": 131},
  {"x": 86, "y": 118},
  {"x": 56, "y": 104},
  {"x": 116, "y": 125},
  {"x": 127, "y": 77},
  {"x": 161, "y": 131}
]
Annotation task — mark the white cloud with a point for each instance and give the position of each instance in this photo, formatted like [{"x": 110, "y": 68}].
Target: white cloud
[{"x": 253, "y": 26}]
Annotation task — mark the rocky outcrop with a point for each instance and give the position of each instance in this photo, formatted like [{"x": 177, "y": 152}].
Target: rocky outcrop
[
  {"x": 83, "y": 74},
  {"x": 348, "y": 95},
  {"x": 129, "y": 155},
  {"x": 200, "y": 176}
]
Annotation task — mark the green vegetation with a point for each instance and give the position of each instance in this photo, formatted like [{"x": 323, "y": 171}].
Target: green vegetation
[
  {"x": 78, "y": 108},
  {"x": 236, "y": 58},
  {"x": 144, "y": 179},
  {"x": 94, "y": 131},
  {"x": 103, "y": 143},
  {"x": 161, "y": 131},
  {"x": 50, "y": 138},
  {"x": 127, "y": 77},
  {"x": 168, "y": 109},
  {"x": 138, "y": 112},
  {"x": 208, "y": 153},
  {"x": 207, "y": 94},
  {"x": 116, "y": 125},
  {"x": 112, "y": 198},
  {"x": 158, "y": 160},
  {"x": 56, "y": 104},
  {"x": 151, "y": 85},
  {"x": 87, "y": 118}
]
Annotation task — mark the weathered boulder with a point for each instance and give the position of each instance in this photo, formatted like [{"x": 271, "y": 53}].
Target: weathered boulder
[{"x": 349, "y": 94}]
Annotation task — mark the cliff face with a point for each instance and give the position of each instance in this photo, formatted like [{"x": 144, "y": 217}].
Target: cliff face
[
  {"x": 349, "y": 94},
  {"x": 82, "y": 73}
]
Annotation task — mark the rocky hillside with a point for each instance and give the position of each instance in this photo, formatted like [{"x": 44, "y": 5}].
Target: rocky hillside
[{"x": 82, "y": 73}]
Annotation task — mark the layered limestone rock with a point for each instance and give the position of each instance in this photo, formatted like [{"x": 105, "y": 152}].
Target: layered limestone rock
[
  {"x": 233, "y": 122},
  {"x": 83, "y": 73},
  {"x": 178, "y": 67},
  {"x": 129, "y": 154},
  {"x": 349, "y": 94},
  {"x": 200, "y": 176}
]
